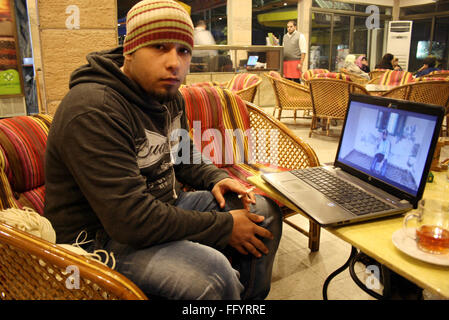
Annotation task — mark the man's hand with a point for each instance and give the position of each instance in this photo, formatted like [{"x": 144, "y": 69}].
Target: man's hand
[
  {"x": 232, "y": 185},
  {"x": 243, "y": 237}
]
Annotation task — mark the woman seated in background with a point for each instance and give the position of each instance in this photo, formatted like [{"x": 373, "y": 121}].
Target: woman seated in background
[
  {"x": 396, "y": 65},
  {"x": 351, "y": 67},
  {"x": 362, "y": 63},
  {"x": 386, "y": 62},
  {"x": 427, "y": 67}
]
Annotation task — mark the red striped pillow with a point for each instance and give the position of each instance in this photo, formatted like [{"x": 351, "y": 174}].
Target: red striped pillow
[{"x": 23, "y": 140}]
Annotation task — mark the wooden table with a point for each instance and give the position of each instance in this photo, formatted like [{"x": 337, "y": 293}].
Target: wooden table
[{"x": 375, "y": 239}]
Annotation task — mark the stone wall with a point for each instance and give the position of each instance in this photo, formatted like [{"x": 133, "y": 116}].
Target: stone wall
[{"x": 68, "y": 31}]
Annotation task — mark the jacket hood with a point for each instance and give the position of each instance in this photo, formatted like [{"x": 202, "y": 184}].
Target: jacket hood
[{"x": 104, "y": 68}]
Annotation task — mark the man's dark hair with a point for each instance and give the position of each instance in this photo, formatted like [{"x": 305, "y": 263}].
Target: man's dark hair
[
  {"x": 430, "y": 61},
  {"x": 292, "y": 21},
  {"x": 201, "y": 23}
]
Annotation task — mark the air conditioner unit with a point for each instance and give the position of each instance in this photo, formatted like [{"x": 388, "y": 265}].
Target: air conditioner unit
[{"x": 399, "y": 39}]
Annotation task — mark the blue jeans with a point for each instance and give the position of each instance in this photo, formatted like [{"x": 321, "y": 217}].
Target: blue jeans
[{"x": 186, "y": 270}]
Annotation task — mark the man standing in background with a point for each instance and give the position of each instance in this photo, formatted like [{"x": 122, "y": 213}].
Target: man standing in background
[{"x": 295, "y": 50}]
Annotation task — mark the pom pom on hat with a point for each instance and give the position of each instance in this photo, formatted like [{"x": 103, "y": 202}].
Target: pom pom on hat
[{"x": 157, "y": 21}]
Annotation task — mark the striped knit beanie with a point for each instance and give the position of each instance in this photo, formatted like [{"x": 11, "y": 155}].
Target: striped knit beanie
[{"x": 157, "y": 21}]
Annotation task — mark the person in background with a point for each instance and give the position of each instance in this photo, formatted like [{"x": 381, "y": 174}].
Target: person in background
[
  {"x": 203, "y": 37},
  {"x": 396, "y": 65},
  {"x": 351, "y": 67},
  {"x": 113, "y": 173},
  {"x": 428, "y": 66},
  {"x": 362, "y": 63},
  {"x": 386, "y": 62},
  {"x": 295, "y": 50}
]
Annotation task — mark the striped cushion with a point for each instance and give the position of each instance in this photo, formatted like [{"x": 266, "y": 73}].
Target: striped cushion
[
  {"x": 204, "y": 111},
  {"x": 393, "y": 77},
  {"x": 309, "y": 73},
  {"x": 23, "y": 140},
  {"x": 333, "y": 75},
  {"x": 225, "y": 111},
  {"x": 220, "y": 112},
  {"x": 243, "y": 81}
]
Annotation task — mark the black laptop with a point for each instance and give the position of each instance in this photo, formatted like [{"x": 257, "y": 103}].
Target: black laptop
[{"x": 381, "y": 166}]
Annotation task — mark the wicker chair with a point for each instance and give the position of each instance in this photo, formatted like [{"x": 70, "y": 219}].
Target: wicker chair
[
  {"x": 330, "y": 100},
  {"x": 432, "y": 92},
  {"x": 270, "y": 145},
  {"x": 289, "y": 95},
  {"x": 34, "y": 269},
  {"x": 355, "y": 77},
  {"x": 377, "y": 73},
  {"x": 245, "y": 85}
]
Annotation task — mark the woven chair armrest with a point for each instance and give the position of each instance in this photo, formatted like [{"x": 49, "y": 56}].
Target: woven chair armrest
[
  {"x": 280, "y": 145},
  {"x": 294, "y": 85},
  {"x": 39, "y": 260}
]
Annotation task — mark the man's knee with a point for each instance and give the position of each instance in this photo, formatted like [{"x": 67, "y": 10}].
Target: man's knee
[{"x": 216, "y": 280}]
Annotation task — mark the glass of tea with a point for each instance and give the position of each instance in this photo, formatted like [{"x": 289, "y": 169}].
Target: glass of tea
[{"x": 431, "y": 231}]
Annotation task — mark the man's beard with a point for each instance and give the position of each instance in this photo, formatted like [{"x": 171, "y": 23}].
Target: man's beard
[{"x": 164, "y": 96}]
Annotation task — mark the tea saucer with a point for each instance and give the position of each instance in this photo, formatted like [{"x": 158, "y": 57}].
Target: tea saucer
[{"x": 409, "y": 247}]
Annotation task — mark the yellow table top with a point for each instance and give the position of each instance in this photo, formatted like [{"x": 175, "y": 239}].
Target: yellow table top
[{"x": 375, "y": 239}]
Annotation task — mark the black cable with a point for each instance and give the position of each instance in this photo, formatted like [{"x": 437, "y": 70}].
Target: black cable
[
  {"x": 336, "y": 272},
  {"x": 357, "y": 280}
]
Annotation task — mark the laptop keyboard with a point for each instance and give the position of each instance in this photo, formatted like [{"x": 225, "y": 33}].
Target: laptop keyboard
[{"x": 346, "y": 195}]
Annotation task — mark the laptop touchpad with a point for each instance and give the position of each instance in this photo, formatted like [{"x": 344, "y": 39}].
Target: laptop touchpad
[{"x": 293, "y": 186}]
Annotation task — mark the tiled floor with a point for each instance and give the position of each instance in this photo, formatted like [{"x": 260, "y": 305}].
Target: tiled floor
[{"x": 298, "y": 273}]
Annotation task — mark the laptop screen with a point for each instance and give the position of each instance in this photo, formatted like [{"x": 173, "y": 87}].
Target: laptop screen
[
  {"x": 389, "y": 144},
  {"x": 252, "y": 60}
]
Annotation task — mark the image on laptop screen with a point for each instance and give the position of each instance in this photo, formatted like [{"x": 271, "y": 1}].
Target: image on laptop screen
[
  {"x": 389, "y": 144},
  {"x": 252, "y": 60}
]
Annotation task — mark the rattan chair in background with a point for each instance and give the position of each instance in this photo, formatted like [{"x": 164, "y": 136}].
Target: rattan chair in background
[
  {"x": 289, "y": 95},
  {"x": 245, "y": 85},
  {"x": 432, "y": 92},
  {"x": 34, "y": 269},
  {"x": 438, "y": 74},
  {"x": 376, "y": 73},
  {"x": 330, "y": 100},
  {"x": 355, "y": 77}
]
